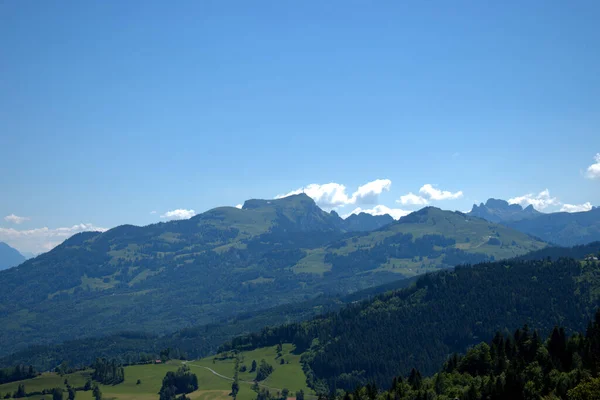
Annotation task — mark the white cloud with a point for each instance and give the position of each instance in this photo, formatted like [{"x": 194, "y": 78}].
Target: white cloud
[
  {"x": 396, "y": 213},
  {"x": 593, "y": 171},
  {"x": 540, "y": 201},
  {"x": 329, "y": 195},
  {"x": 412, "y": 198},
  {"x": 15, "y": 219},
  {"x": 41, "y": 240},
  {"x": 369, "y": 192},
  {"x": 587, "y": 206},
  {"x": 428, "y": 191},
  {"x": 180, "y": 213},
  {"x": 332, "y": 195},
  {"x": 153, "y": 212},
  {"x": 239, "y": 206}
]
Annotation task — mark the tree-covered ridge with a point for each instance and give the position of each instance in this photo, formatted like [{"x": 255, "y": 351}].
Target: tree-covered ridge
[
  {"x": 442, "y": 313},
  {"x": 226, "y": 262},
  {"x": 192, "y": 342},
  {"x": 520, "y": 366}
]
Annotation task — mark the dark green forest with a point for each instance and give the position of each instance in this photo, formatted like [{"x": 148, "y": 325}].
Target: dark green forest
[
  {"x": 17, "y": 373},
  {"x": 519, "y": 366},
  {"x": 192, "y": 342},
  {"x": 108, "y": 372},
  {"x": 178, "y": 382},
  {"x": 442, "y": 313}
]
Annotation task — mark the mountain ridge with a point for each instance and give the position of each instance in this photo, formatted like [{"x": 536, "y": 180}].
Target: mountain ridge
[
  {"x": 228, "y": 261},
  {"x": 561, "y": 228},
  {"x": 9, "y": 256},
  {"x": 498, "y": 210}
]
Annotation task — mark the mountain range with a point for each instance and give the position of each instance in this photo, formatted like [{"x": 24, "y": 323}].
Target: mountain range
[
  {"x": 9, "y": 257},
  {"x": 497, "y": 210},
  {"x": 228, "y": 261},
  {"x": 561, "y": 228}
]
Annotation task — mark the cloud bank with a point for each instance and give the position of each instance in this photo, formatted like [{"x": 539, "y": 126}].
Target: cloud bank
[
  {"x": 587, "y": 206},
  {"x": 428, "y": 193},
  {"x": 540, "y": 201},
  {"x": 333, "y": 195},
  {"x": 41, "y": 240},
  {"x": 412, "y": 199}
]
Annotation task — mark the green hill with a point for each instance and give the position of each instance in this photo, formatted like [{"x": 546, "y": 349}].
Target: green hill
[
  {"x": 225, "y": 262},
  {"x": 194, "y": 341},
  {"x": 445, "y": 312}
]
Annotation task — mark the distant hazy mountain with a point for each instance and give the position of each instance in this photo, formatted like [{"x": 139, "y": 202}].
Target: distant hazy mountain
[
  {"x": 364, "y": 222},
  {"x": 228, "y": 261},
  {"x": 9, "y": 257},
  {"x": 562, "y": 228},
  {"x": 496, "y": 210},
  {"x": 29, "y": 254}
]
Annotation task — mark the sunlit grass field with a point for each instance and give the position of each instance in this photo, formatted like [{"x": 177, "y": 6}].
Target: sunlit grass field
[{"x": 288, "y": 375}]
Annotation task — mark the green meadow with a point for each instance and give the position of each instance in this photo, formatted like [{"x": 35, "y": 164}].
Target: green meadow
[{"x": 211, "y": 386}]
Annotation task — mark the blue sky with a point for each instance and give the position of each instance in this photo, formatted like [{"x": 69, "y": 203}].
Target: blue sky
[{"x": 111, "y": 110}]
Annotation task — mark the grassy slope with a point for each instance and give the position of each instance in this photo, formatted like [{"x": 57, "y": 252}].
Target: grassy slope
[
  {"x": 471, "y": 234},
  {"x": 211, "y": 386}
]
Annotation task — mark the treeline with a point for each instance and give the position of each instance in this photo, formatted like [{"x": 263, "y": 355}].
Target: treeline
[
  {"x": 108, "y": 372},
  {"x": 520, "y": 366},
  {"x": 17, "y": 373},
  {"x": 181, "y": 381},
  {"x": 442, "y": 313},
  {"x": 57, "y": 393}
]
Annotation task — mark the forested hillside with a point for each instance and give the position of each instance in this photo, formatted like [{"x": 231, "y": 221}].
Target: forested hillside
[
  {"x": 443, "y": 313},
  {"x": 519, "y": 366},
  {"x": 191, "y": 342},
  {"x": 227, "y": 261}
]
